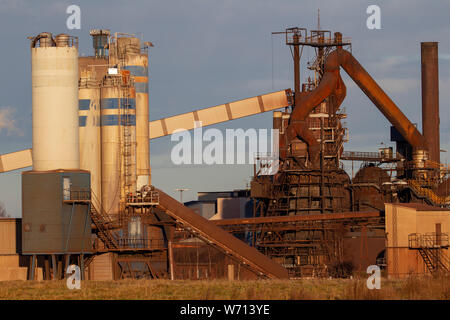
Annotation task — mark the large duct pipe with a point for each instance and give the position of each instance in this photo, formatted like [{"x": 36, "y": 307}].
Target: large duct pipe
[
  {"x": 430, "y": 98},
  {"x": 329, "y": 84}
]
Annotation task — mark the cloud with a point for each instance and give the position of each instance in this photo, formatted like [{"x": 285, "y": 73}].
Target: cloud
[
  {"x": 391, "y": 85},
  {"x": 387, "y": 64},
  {"x": 8, "y": 122},
  {"x": 399, "y": 85}
]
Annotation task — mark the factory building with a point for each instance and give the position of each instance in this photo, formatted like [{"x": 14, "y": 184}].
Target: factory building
[
  {"x": 89, "y": 199},
  {"x": 222, "y": 204}
]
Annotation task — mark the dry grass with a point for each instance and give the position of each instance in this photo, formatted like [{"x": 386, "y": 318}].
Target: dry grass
[{"x": 411, "y": 288}]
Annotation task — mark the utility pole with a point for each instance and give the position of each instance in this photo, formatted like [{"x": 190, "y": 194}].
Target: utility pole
[{"x": 180, "y": 190}]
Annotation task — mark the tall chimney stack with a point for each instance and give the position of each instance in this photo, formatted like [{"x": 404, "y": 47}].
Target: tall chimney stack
[{"x": 430, "y": 98}]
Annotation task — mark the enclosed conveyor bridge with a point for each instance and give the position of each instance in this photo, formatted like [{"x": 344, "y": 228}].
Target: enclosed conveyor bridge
[
  {"x": 216, "y": 236},
  {"x": 166, "y": 126}
]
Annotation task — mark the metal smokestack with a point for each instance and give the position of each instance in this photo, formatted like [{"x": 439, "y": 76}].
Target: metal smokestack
[{"x": 430, "y": 98}]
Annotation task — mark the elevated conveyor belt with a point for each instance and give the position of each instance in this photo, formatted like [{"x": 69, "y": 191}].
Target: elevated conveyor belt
[
  {"x": 163, "y": 127},
  {"x": 15, "y": 160},
  {"x": 214, "y": 235},
  {"x": 221, "y": 113}
]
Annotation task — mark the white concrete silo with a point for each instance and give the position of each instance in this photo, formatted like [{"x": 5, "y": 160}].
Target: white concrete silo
[
  {"x": 118, "y": 132},
  {"x": 54, "y": 64},
  {"x": 135, "y": 60},
  {"x": 90, "y": 133}
]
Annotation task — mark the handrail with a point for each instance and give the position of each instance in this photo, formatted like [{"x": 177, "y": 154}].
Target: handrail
[
  {"x": 430, "y": 240},
  {"x": 142, "y": 243},
  {"x": 151, "y": 197},
  {"x": 426, "y": 192},
  {"x": 437, "y": 165},
  {"x": 100, "y": 210},
  {"x": 361, "y": 154},
  {"x": 79, "y": 195}
]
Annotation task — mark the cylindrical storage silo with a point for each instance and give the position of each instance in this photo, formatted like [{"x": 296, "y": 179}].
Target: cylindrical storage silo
[
  {"x": 118, "y": 132},
  {"x": 137, "y": 63},
  {"x": 90, "y": 133},
  {"x": 54, "y": 70}
]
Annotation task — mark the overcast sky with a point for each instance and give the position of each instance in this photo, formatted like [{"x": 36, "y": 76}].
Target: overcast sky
[{"x": 209, "y": 52}]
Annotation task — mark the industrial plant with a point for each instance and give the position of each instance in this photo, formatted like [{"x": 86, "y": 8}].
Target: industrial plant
[{"x": 89, "y": 200}]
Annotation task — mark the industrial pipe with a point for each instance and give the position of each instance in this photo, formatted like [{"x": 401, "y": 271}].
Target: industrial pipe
[{"x": 330, "y": 84}]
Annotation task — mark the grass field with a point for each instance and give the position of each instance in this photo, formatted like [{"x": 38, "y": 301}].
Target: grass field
[{"x": 411, "y": 288}]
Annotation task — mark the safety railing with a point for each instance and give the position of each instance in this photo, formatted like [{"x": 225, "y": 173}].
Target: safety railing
[
  {"x": 141, "y": 243},
  {"x": 361, "y": 155},
  {"x": 428, "y": 240},
  {"x": 326, "y": 40},
  {"x": 436, "y": 165},
  {"x": 81, "y": 195},
  {"x": 149, "y": 198},
  {"x": 426, "y": 192}
]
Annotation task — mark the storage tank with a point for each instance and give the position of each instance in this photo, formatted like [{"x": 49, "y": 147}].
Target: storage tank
[
  {"x": 90, "y": 132},
  {"x": 368, "y": 188},
  {"x": 118, "y": 132},
  {"x": 136, "y": 61},
  {"x": 54, "y": 71}
]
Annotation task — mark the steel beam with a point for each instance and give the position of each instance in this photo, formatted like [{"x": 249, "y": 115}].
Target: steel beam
[{"x": 312, "y": 217}]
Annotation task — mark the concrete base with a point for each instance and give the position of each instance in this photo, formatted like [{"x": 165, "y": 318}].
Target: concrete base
[
  {"x": 9, "y": 260},
  {"x": 14, "y": 273}
]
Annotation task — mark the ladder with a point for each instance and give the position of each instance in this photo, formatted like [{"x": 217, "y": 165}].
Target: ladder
[{"x": 126, "y": 121}]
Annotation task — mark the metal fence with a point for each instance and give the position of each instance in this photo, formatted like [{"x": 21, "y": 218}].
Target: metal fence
[{"x": 151, "y": 197}]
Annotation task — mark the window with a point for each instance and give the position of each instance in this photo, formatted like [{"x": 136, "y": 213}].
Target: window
[{"x": 66, "y": 188}]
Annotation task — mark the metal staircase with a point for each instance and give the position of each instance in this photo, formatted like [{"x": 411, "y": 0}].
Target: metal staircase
[
  {"x": 99, "y": 218},
  {"x": 433, "y": 259},
  {"x": 430, "y": 247},
  {"x": 426, "y": 193},
  {"x": 101, "y": 221}
]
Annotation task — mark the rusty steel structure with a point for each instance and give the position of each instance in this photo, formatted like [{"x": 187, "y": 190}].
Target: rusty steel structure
[
  {"x": 307, "y": 245},
  {"x": 302, "y": 215},
  {"x": 169, "y": 225},
  {"x": 311, "y": 181}
]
